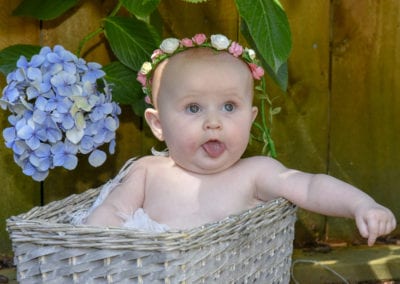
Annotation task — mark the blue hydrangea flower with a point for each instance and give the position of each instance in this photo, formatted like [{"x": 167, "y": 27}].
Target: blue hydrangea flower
[{"x": 58, "y": 110}]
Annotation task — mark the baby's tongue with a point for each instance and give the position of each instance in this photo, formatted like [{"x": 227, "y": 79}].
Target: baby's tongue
[{"x": 214, "y": 148}]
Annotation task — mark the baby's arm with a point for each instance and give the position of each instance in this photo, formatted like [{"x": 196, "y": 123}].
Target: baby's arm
[
  {"x": 325, "y": 195},
  {"x": 124, "y": 200}
]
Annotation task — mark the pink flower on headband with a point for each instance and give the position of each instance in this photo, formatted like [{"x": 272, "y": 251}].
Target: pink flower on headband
[
  {"x": 199, "y": 39},
  {"x": 256, "y": 71},
  {"x": 147, "y": 100},
  {"x": 156, "y": 53},
  {"x": 142, "y": 79},
  {"x": 187, "y": 42},
  {"x": 235, "y": 49}
]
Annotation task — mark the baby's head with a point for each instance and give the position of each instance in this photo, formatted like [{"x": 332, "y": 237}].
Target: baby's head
[{"x": 202, "y": 99}]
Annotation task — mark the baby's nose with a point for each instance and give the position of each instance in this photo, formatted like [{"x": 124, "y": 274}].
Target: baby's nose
[{"x": 212, "y": 122}]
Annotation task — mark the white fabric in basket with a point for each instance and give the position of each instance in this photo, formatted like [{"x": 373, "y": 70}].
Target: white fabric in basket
[{"x": 139, "y": 220}]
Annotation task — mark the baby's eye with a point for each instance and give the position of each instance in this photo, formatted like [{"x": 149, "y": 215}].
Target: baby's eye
[
  {"x": 193, "y": 108},
  {"x": 229, "y": 107}
]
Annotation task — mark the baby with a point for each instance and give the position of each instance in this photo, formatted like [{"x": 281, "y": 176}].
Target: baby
[{"x": 202, "y": 95}]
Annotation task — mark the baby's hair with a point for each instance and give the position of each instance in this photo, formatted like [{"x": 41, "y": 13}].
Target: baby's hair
[{"x": 172, "y": 46}]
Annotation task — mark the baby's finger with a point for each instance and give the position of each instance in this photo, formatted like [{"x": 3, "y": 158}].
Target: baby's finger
[
  {"x": 372, "y": 238},
  {"x": 374, "y": 229},
  {"x": 362, "y": 227},
  {"x": 390, "y": 226}
]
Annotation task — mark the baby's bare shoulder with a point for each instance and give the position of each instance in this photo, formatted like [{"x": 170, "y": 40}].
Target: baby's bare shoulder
[
  {"x": 258, "y": 162},
  {"x": 148, "y": 162}
]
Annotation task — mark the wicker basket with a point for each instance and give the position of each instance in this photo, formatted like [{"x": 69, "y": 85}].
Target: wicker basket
[{"x": 252, "y": 247}]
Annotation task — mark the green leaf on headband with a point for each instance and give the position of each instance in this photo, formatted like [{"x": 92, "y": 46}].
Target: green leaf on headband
[
  {"x": 10, "y": 55},
  {"x": 131, "y": 40},
  {"x": 269, "y": 27},
  {"x": 44, "y": 9},
  {"x": 140, "y": 8},
  {"x": 125, "y": 88}
]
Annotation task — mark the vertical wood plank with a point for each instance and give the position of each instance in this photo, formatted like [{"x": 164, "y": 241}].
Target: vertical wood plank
[
  {"x": 183, "y": 19},
  {"x": 301, "y": 129},
  {"x": 365, "y": 128},
  {"x": 18, "y": 192}
]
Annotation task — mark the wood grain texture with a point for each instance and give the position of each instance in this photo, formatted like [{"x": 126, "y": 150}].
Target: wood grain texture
[
  {"x": 365, "y": 103},
  {"x": 18, "y": 193},
  {"x": 301, "y": 129}
]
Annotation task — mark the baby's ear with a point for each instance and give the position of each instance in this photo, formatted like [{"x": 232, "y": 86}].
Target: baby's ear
[
  {"x": 254, "y": 111},
  {"x": 152, "y": 118}
]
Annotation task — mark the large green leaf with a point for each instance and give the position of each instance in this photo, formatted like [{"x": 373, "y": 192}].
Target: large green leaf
[
  {"x": 125, "y": 88},
  {"x": 10, "y": 55},
  {"x": 269, "y": 27},
  {"x": 44, "y": 9},
  {"x": 131, "y": 40},
  {"x": 141, "y": 8},
  {"x": 281, "y": 76}
]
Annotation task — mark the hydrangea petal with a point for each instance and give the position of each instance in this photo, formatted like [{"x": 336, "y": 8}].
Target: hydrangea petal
[
  {"x": 70, "y": 162},
  {"x": 25, "y": 132},
  {"x": 40, "y": 176},
  {"x": 9, "y": 134},
  {"x": 111, "y": 146},
  {"x": 75, "y": 134},
  {"x": 34, "y": 74},
  {"x": 97, "y": 158},
  {"x": 33, "y": 142},
  {"x": 29, "y": 169}
]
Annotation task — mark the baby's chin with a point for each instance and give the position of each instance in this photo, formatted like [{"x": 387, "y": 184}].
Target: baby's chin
[{"x": 205, "y": 168}]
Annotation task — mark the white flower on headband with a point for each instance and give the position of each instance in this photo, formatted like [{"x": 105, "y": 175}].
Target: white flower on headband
[
  {"x": 220, "y": 42},
  {"x": 169, "y": 45},
  {"x": 146, "y": 68},
  {"x": 251, "y": 53}
]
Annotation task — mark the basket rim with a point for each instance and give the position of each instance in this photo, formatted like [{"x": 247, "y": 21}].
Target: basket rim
[
  {"x": 26, "y": 227},
  {"x": 268, "y": 206}
]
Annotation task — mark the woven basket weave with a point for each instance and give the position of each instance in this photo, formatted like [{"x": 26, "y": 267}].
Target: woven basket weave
[{"x": 252, "y": 247}]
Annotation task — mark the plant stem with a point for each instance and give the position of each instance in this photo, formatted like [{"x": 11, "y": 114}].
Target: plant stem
[
  {"x": 267, "y": 139},
  {"x": 86, "y": 39},
  {"x": 96, "y": 32}
]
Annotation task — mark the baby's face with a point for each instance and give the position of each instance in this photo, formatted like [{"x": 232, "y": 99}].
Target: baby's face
[{"x": 205, "y": 110}]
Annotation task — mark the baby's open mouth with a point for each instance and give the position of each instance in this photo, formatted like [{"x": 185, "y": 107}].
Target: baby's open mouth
[{"x": 214, "y": 148}]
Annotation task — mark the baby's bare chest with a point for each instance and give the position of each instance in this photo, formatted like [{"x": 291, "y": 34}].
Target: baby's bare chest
[{"x": 183, "y": 200}]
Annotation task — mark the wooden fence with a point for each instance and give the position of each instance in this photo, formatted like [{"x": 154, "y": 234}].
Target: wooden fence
[{"x": 338, "y": 116}]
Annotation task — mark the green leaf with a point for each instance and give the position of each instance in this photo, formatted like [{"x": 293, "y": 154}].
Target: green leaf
[
  {"x": 281, "y": 76},
  {"x": 44, "y": 9},
  {"x": 125, "y": 88},
  {"x": 131, "y": 40},
  {"x": 276, "y": 110},
  {"x": 140, "y": 8},
  {"x": 269, "y": 27},
  {"x": 10, "y": 55}
]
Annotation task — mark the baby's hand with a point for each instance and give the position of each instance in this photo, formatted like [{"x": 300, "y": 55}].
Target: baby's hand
[{"x": 374, "y": 220}]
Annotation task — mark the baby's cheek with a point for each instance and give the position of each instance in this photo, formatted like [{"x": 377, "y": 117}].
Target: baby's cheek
[{"x": 184, "y": 143}]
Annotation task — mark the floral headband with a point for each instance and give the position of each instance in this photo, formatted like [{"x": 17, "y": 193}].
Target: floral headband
[{"x": 171, "y": 46}]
